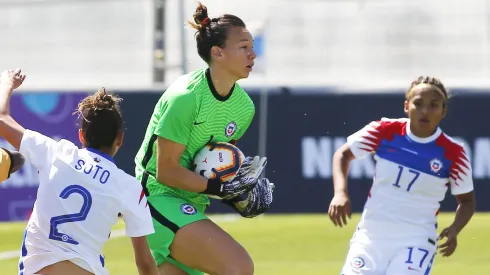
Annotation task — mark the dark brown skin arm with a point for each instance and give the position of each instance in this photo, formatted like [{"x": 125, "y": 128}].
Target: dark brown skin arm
[
  {"x": 464, "y": 212},
  {"x": 340, "y": 208}
]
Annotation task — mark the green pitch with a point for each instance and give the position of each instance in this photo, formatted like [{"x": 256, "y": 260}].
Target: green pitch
[{"x": 287, "y": 245}]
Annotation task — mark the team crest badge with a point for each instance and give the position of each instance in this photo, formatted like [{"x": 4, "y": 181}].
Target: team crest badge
[
  {"x": 188, "y": 209},
  {"x": 230, "y": 129},
  {"x": 435, "y": 165},
  {"x": 357, "y": 262}
]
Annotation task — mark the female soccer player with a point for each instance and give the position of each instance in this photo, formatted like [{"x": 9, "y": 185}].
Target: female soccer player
[
  {"x": 415, "y": 164},
  {"x": 81, "y": 191},
  {"x": 206, "y": 105}
]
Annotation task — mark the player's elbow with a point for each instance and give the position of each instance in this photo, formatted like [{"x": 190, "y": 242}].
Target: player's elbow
[
  {"x": 466, "y": 204},
  {"x": 467, "y": 200},
  {"x": 168, "y": 159},
  {"x": 165, "y": 170}
]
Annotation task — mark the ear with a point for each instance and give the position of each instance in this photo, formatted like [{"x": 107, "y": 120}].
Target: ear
[
  {"x": 444, "y": 111},
  {"x": 80, "y": 137},
  {"x": 405, "y": 107},
  {"x": 216, "y": 53},
  {"x": 119, "y": 139}
]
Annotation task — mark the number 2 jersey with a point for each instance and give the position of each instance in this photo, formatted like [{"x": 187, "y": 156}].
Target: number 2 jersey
[
  {"x": 80, "y": 195},
  {"x": 192, "y": 113},
  {"x": 411, "y": 178}
]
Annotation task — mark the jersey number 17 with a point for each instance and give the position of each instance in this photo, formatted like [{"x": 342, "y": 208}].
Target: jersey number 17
[{"x": 415, "y": 174}]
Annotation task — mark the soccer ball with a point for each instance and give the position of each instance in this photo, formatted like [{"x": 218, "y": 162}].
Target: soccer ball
[{"x": 219, "y": 160}]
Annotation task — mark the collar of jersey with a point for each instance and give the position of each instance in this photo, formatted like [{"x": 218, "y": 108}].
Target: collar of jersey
[
  {"x": 422, "y": 140},
  {"x": 106, "y": 156},
  {"x": 213, "y": 89}
]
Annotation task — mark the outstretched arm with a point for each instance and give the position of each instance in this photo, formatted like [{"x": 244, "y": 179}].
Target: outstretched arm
[{"x": 9, "y": 128}]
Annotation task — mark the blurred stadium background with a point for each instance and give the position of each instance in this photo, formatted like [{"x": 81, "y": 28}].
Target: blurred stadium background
[{"x": 325, "y": 68}]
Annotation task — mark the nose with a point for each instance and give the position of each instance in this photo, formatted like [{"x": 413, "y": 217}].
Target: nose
[
  {"x": 424, "y": 110},
  {"x": 252, "y": 55}
]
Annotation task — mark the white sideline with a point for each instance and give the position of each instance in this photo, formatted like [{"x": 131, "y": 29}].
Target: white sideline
[{"x": 7, "y": 255}]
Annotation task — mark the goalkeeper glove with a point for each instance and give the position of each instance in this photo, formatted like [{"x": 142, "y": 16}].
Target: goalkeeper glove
[
  {"x": 244, "y": 181},
  {"x": 255, "y": 202}
]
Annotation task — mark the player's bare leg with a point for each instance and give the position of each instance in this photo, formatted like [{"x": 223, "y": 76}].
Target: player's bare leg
[
  {"x": 167, "y": 268},
  {"x": 204, "y": 246},
  {"x": 63, "y": 268}
]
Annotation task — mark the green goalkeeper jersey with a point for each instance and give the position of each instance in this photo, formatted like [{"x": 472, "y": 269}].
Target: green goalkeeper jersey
[{"x": 192, "y": 113}]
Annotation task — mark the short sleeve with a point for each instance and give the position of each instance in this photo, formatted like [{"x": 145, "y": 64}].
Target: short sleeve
[
  {"x": 178, "y": 114},
  {"x": 366, "y": 141},
  {"x": 37, "y": 148},
  {"x": 136, "y": 214},
  {"x": 461, "y": 174}
]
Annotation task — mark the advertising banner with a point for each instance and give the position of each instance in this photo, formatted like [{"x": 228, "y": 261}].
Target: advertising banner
[{"x": 303, "y": 131}]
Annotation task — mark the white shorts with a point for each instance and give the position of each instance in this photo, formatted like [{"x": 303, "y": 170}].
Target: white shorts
[
  {"x": 36, "y": 257},
  {"x": 400, "y": 256}
]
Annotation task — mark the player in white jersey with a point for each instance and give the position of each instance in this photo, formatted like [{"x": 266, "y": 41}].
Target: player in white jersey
[
  {"x": 415, "y": 165},
  {"x": 81, "y": 191}
]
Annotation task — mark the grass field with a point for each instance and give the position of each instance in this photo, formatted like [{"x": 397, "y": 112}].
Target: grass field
[{"x": 289, "y": 244}]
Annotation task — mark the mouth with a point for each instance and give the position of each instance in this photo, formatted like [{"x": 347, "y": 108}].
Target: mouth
[
  {"x": 424, "y": 121},
  {"x": 250, "y": 67}
]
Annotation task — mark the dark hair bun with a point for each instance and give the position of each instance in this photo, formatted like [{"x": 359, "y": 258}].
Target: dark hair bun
[
  {"x": 201, "y": 18},
  {"x": 103, "y": 100}
]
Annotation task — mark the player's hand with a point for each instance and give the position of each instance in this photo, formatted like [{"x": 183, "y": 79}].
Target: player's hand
[
  {"x": 257, "y": 166},
  {"x": 340, "y": 209},
  {"x": 242, "y": 183},
  {"x": 449, "y": 246},
  {"x": 245, "y": 168},
  {"x": 255, "y": 202},
  {"x": 12, "y": 78}
]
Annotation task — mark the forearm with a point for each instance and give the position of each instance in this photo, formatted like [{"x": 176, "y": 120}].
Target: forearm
[
  {"x": 340, "y": 170},
  {"x": 182, "y": 178},
  {"x": 142, "y": 256},
  {"x": 464, "y": 212},
  {"x": 9, "y": 128},
  {"x": 5, "y": 94},
  {"x": 147, "y": 269}
]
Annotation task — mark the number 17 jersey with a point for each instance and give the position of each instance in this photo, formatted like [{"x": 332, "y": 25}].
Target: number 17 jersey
[
  {"x": 81, "y": 192},
  {"x": 412, "y": 176}
]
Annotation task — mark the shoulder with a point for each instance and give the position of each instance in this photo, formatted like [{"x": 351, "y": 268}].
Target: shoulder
[
  {"x": 454, "y": 150},
  {"x": 186, "y": 85},
  {"x": 393, "y": 124},
  {"x": 243, "y": 98},
  {"x": 390, "y": 126},
  {"x": 179, "y": 93}
]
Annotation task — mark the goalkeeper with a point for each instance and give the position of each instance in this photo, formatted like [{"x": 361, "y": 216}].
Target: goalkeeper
[{"x": 204, "y": 106}]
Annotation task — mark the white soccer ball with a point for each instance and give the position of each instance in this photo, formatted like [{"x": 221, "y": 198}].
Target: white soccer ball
[{"x": 218, "y": 160}]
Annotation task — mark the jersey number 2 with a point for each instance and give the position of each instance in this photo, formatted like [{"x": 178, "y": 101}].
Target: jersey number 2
[
  {"x": 400, "y": 172},
  {"x": 54, "y": 234}
]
